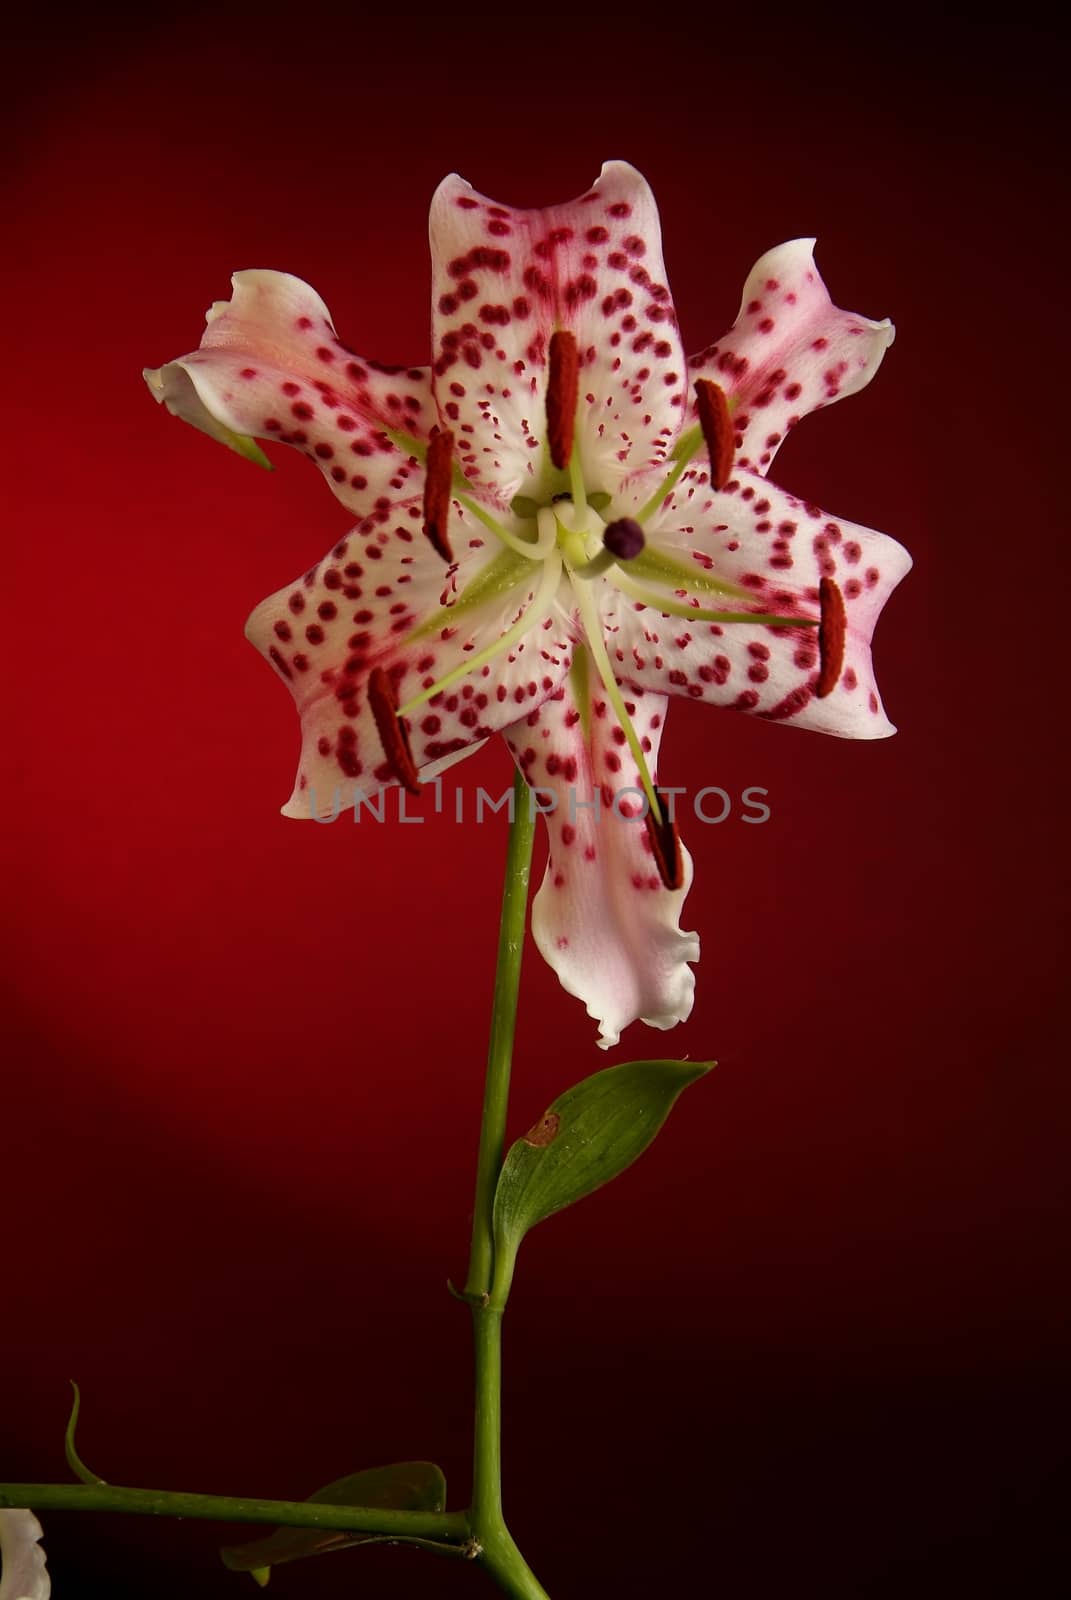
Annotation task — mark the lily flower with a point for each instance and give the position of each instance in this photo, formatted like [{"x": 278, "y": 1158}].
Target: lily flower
[
  {"x": 22, "y": 1560},
  {"x": 560, "y": 524}
]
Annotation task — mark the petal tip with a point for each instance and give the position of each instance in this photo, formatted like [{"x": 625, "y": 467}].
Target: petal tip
[
  {"x": 625, "y": 168},
  {"x": 451, "y": 184}
]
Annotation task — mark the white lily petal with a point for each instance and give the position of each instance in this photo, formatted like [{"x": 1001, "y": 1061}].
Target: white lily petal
[
  {"x": 23, "y": 1575},
  {"x": 603, "y": 918}
]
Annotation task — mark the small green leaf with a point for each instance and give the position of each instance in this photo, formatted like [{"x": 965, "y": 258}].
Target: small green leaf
[
  {"x": 590, "y": 1134},
  {"x": 74, "y": 1460},
  {"x": 405, "y": 1486}
]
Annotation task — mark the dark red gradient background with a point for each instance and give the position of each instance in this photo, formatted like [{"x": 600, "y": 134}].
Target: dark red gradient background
[{"x": 813, "y": 1344}]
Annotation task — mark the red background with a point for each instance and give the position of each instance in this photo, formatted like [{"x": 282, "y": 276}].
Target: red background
[{"x": 812, "y": 1343}]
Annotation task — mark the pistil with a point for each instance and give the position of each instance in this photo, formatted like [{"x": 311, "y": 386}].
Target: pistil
[
  {"x": 624, "y": 538},
  {"x": 622, "y": 541}
]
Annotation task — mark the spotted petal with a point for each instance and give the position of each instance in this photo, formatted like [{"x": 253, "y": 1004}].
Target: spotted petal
[
  {"x": 602, "y": 918},
  {"x": 777, "y": 549},
  {"x": 270, "y": 366},
  {"x": 504, "y": 279},
  {"x": 789, "y": 352},
  {"x": 22, "y": 1561},
  {"x": 382, "y": 598}
]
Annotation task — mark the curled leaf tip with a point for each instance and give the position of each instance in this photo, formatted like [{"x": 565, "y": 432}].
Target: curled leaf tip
[{"x": 74, "y": 1460}]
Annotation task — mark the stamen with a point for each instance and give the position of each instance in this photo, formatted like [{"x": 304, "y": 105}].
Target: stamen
[
  {"x": 589, "y": 616},
  {"x": 563, "y": 386},
  {"x": 673, "y": 606},
  {"x": 686, "y": 447},
  {"x": 512, "y": 541},
  {"x": 624, "y": 538},
  {"x": 437, "y": 491},
  {"x": 665, "y": 845},
  {"x": 717, "y": 426},
  {"x": 657, "y": 567},
  {"x": 831, "y": 631},
  {"x": 540, "y": 606},
  {"x": 393, "y": 735},
  {"x": 418, "y": 449}
]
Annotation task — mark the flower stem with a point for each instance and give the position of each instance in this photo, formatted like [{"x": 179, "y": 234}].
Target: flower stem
[
  {"x": 503, "y": 1028},
  {"x": 498, "y": 1552}
]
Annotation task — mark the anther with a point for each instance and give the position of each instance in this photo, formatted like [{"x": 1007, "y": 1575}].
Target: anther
[
  {"x": 562, "y": 390},
  {"x": 393, "y": 735},
  {"x": 717, "y": 426},
  {"x": 624, "y": 538},
  {"x": 831, "y": 631},
  {"x": 437, "y": 491},
  {"x": 665, "y": 845}
]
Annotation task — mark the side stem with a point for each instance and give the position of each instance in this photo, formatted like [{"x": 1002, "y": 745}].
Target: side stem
[{"x": 446, "y": 1526}]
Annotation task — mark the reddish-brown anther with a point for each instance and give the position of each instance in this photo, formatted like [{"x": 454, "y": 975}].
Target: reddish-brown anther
[
  {"x": 437, "y": 491},
  {"x": 717, "y": 426},
  {"x": 393, "y": 735},
  {"x": 665, "y": 844},
  {"x": 563, "y": 386},
  {"x": 831, "y": 630}
]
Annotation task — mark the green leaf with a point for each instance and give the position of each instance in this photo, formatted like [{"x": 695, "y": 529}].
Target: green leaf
[
  {"x": 405, "y": 1486},
  {"x": 590, "y": 1134}
]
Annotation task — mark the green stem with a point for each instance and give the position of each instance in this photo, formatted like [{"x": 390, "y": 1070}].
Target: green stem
[
  {"x": 498, "y": 1552},
  {"x": 444, "y": 1526},
  {"x": 503, "y": 1028}
]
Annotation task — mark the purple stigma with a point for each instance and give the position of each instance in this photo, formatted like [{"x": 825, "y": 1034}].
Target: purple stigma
[{"x": 624, "y": 539}]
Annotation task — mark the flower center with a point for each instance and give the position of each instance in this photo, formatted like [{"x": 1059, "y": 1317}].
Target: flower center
[{"x": 570, "y": 538}]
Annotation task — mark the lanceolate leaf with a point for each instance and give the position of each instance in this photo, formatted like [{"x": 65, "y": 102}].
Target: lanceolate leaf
[
  {"x": 590, "y": 1134},
  {"x": 405, "y": 1486}
]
